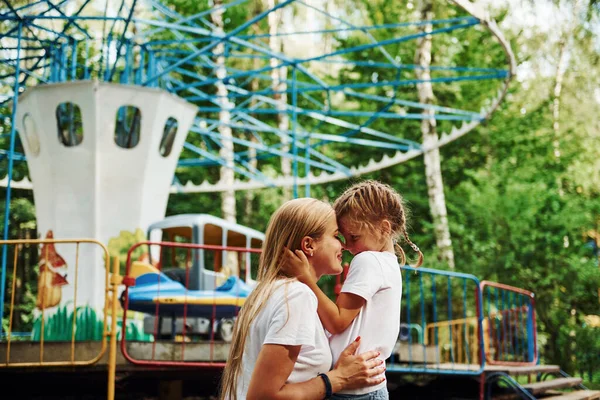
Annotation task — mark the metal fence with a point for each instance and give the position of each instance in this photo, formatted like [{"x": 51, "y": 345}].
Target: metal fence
[
  {"x": 450, "y": 322},
  {"x": 510, "y": 333},
  {"x": 446, "y": 307},
  {"x": 58, "y": 324},
  {"x": 190, "y": 326}
]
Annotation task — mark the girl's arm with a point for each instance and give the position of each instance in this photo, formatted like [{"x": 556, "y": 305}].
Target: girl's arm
[
  {"x": 275, "y": 364},
  {"x": 335, "y": 317}
]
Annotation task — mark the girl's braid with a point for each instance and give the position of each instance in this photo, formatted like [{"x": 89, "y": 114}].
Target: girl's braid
[{"x": 414, "y": 247}]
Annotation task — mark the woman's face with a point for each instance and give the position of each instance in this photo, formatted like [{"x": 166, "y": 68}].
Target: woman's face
[{"x": 327, "y": 256}]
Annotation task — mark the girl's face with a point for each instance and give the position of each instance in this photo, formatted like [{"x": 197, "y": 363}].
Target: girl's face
[
  {"x": 327, "y": 255},
  {"x": 359, "y": 238}
]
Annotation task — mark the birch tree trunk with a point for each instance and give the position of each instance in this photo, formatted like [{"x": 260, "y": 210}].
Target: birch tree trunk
[
  {"x": 279, "y": 87},
  {"x": 562, "y": 64},
  {"x": 433, "y": 171},
  {"x": 226, "y": 151},
  {"x": 254, "y": 87},
  {"x": 558, "y": 80}
]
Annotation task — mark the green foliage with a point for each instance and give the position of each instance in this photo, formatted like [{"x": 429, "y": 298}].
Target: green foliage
[
  {"x": 22, "y": 225},
  {"x": 119, "y": 247},
  {"x": 587, "y": 355}
]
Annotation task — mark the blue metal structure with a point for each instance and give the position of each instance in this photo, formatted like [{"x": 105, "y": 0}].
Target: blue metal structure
[
  {"x": 432, "y": 299},
  {"x": 230, "y": 72}
]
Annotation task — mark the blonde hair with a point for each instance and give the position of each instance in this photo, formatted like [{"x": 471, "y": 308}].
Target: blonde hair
[
  {"x": 370, "y": 202},
  {"x": 293, "y": 221}
]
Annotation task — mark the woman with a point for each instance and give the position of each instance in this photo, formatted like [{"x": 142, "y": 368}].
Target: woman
[{"x": 279, "y": 348}]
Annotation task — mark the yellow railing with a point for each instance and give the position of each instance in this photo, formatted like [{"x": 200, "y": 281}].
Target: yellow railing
[
  {"x": 47, "y": 297},
  {"x": 464, "y": 335},
  {"x": 457, "y": 339}
]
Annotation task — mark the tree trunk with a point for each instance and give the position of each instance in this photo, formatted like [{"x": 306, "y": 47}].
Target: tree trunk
[
  {"x": 558, "y": 80},
  {"x": 254, "y": 87},
  {"x": 433, "y": 171},
  {"x": 226, "y": 151},
  {"x": 279, "y": 87},
  {"x": 565, "y": 42}
]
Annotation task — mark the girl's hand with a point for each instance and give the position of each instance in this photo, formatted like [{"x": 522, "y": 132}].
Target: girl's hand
[
  {"x": 356, "y": 371},
  {"x": 295, "y": 264}
]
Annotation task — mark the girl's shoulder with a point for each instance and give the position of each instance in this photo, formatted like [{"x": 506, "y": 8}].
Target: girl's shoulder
[
  {"x": 368, "y": 259},
  {"x": 373, "y": 255}
]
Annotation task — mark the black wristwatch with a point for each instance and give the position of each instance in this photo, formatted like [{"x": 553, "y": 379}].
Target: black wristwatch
[{"x": 328, "y": 389}]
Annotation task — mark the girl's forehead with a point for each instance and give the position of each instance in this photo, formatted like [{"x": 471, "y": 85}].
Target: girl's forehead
[{"x": 349, "y": 224}]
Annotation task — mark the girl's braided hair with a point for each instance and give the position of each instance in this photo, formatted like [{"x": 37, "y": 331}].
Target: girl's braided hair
[{"x": 370, "y": 202}]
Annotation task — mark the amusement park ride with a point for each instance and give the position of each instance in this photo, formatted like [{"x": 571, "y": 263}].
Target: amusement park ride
[
  {"x": 203, "y": 298},
  {"x": 109, "y": 106}
]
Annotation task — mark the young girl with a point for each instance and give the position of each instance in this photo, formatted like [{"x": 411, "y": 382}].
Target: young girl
[{"x": 371, "y": 216}]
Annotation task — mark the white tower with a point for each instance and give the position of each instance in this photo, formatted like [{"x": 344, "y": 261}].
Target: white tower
[{"x": 101, "y": 157}]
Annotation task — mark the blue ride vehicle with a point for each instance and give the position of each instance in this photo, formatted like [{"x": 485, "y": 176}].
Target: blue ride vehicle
[{"x": 198, "y": 291}]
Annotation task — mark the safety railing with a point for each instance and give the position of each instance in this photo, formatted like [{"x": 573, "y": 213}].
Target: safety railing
[
  {"x": 447, "y": 308},
  {"x": 190, "y": 326},
  {"x": 57, "y": 316},
  {"x": 451, "y": 323},
  {"x": 58, "y": 322},
  {"x": 464, "y": 332},
  {"x": 510, "y": 333}
]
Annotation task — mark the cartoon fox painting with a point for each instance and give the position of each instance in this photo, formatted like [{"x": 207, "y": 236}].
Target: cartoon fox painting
[{"x": 50, "y": 279}]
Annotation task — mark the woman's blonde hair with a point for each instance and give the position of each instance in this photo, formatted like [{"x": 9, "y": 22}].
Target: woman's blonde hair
[
  {"x": 293, "y": 221},
  {"x": 370, "y": 202}
]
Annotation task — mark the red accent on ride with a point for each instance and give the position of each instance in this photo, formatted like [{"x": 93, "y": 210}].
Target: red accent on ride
[{"x": 128, "y": 281}]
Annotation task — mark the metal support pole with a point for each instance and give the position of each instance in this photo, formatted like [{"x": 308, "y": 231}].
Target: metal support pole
[
  {"x": 10, "y": 171},
  {"x": 115, "y": 281},
  {"x": 307, "y": 167},
  {"x": 294, "y": 124}
]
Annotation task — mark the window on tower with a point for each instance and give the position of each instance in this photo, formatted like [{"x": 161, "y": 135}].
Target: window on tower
[
  {"x": 128, "y": 126},
  {"x": 69, "y": 123},
  {"x": 168, "y": 137}
]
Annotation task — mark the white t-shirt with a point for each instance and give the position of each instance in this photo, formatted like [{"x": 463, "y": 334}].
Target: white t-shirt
[
  {"x": 374, "y": 276},
  {"x": 289, "y": 318}
]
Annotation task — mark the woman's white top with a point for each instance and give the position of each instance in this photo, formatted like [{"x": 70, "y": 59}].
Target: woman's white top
[
  {"x": 288, "y": 318},
  {"x": 374, "y": 276}
]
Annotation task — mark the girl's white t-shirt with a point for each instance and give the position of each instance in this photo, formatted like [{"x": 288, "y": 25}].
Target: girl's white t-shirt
[
  {"x": 376, "y": 277},
  {"x": 288, "y": 318}
]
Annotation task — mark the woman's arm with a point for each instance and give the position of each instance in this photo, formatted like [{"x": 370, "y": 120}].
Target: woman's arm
[
  {"x": 276, "y": 362},
  {"x": 336, "y": 317}
]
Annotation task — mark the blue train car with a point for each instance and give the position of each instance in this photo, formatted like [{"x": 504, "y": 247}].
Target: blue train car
[{"x": 194, "y": 291}]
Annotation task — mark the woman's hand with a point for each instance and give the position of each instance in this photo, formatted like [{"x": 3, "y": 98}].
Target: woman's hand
[
  {"x": 295, "y": 264},
  {"x": 356, "y": 371}
]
